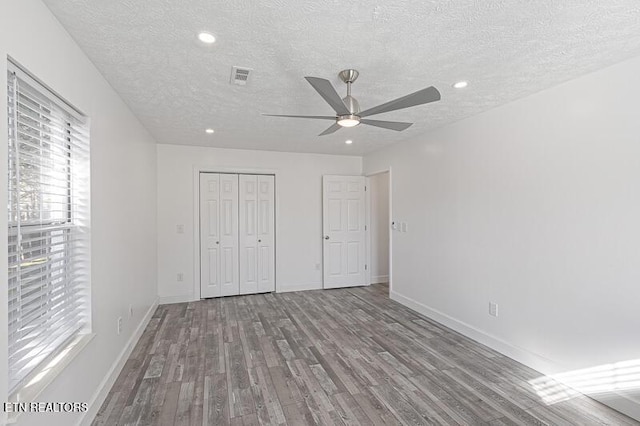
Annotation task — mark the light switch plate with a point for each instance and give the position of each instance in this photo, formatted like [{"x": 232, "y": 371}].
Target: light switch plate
[{"x": 493, "y": 309}]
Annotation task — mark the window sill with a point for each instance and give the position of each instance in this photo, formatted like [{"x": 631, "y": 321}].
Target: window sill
[{"x": 44, "y": 375}]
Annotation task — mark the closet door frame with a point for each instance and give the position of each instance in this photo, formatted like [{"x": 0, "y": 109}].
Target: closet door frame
[{"x": 197, "y": 169}]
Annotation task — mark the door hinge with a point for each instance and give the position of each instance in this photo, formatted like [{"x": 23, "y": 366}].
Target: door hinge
[
  {"x": 365, "y": 267},
  {"x": 365, "y": 227},
  {"x": 365, "y": 188}
]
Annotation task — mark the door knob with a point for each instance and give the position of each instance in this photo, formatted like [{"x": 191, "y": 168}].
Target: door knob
[
  {"x": 326, "y": 237},
  {"x": 259, "y": 241},
  {"x": 217, "y": 242}
]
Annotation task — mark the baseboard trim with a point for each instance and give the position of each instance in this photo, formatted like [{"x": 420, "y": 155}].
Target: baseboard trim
[
  {"x": 298, "y": 287},
  {"x": 280, "y": 288},
  {"x": 617, "y": 401},
  {"x": 524, "y": 356},
  {"x": 378, "y": 279},
  {"x": 622, "y": 403},
  {"x": 100, "y": 395},
  {"x": 184, "y": 298}
]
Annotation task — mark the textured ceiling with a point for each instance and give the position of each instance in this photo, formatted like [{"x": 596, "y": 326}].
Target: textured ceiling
[{"x": 148, "y": 51}]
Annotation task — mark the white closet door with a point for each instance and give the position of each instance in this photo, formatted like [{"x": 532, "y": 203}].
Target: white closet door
[
  {"x": 229, "y": 276},
  {"x": 209, "y": 235},
  {"x": 236, "y": 234},
  {"x": 266, "y": 234},
  {"x": 257, "y": 238},
  {"x": 248, "y": 234},
  {"x": 343, "y": 220}
]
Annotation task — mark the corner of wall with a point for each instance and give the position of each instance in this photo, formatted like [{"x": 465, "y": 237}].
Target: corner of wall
[{"x": 103, "y": 389}]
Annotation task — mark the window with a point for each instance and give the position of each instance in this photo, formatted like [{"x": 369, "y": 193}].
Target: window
[{"x": 48, "y": 208}]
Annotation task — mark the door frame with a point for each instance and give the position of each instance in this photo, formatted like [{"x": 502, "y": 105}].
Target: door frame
[
  {"x": 368, "y": 222},
  {"x": 197, "y": 169}
]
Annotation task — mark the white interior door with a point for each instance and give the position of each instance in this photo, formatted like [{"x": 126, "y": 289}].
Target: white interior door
[
  {"x": 218, "y": 235},
  {"x": 257, "y": 257},
  {"x": 229, "y": 276},
  {"x": 343, "y": 224},
  {"x": 266, "y": 234},
  {"x": 209, "y": 235}
]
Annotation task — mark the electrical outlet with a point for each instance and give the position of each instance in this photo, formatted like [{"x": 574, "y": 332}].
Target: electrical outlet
[
  {"x": 180, "y": 276},
  {"x": 119, "y": 325},
  {"x": 130, "y": 311},
  {"x": 180, "y": 229},
  {"x": 493, "y": 309},
  {"x": 317, "y": 266}
]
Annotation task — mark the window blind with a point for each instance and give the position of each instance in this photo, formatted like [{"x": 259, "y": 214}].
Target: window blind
[{"x": 48, "y": 208}]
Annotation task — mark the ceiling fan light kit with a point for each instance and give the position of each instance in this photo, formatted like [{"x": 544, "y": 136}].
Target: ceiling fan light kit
[
  {"x": 349, "y": 120},
  {"x": 347, "y": 109}
]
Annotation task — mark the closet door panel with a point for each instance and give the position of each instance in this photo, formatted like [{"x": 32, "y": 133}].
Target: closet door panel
[
  {"x": 248, "y": 234},
  {"x": 209, "y": 235},
  {"x": 266, "y": 233},
  {"x": 229, "y": 247}
]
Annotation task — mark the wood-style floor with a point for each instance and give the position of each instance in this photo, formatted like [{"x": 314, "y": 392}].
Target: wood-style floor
[{"x": 344, "y": 357}]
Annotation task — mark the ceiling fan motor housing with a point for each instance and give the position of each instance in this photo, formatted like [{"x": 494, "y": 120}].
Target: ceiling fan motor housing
[{"x": 352, "y": 104}]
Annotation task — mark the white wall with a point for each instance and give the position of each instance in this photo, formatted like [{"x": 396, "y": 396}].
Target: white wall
[
  {"x": 379, "y": 210},
  {"x": 298, "y": 203},
  {"x": 535, "y": 206},
  {"x": 123, "y": 199}
]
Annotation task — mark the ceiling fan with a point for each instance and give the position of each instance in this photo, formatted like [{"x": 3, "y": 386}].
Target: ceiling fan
[{"x": 347, "y": 109}]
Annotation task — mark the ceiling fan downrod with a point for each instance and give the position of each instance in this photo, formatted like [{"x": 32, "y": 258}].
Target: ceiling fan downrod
[{"x": 349, "y": 76}]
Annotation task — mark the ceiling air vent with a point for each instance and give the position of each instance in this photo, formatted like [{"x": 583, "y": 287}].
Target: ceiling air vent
[{"x": 240, "y": 75}]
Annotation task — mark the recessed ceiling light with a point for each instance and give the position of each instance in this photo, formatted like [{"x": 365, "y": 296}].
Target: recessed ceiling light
[
  {"x": 210, "y": 131},
  {"x": 460, "y": 85},
  {"x": 206, "y": 37},
  {"x": 348, "y": 141}
]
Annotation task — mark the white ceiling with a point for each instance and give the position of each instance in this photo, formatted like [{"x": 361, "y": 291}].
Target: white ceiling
[{"x": 148, "y": 51}]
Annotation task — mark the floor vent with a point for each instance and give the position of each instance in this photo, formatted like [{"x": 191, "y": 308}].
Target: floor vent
[{"x": 240, "y": 75}]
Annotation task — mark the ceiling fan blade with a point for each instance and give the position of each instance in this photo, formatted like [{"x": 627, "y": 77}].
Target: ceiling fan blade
[
  {"x": 392, "y": 125},
  {"x": 329, "y": 94},
  {"x": 334, "y": 128},
  {"x": 424, "y": 96},
  {"x": 315, "y": 117}
]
